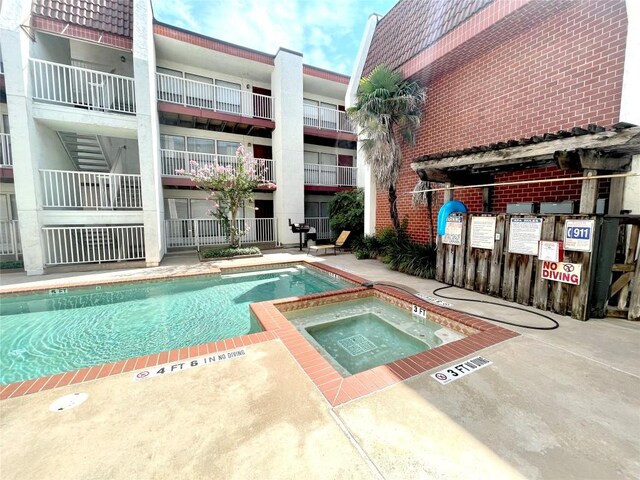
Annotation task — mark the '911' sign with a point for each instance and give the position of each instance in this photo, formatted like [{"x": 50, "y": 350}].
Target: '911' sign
[{"x": 578, "y": 235}]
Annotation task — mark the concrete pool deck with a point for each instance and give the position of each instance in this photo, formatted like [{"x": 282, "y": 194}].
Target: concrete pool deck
[{"x": 553, "y": 404}]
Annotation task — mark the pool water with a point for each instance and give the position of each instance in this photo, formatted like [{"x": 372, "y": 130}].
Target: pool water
[
  {"x": 357, "y": 335},
  {"x": 44, "y": 334}
]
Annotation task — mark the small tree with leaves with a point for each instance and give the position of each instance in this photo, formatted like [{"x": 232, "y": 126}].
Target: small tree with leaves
[{"x": 230, "y": 187}]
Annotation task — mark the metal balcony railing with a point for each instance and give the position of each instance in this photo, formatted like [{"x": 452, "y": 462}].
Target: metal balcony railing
[
  {"x": 327, "y": 119},
  {"x": 99, "y": 191},
  {"x": 330, "y": 175},
  {"x": 81, "y": 87},
  {"x": 191, "y": 93},
  {"x": 69, "y": 245},
  {"x": 10, "y": 238},
  {"x": 199, "y": 232},
  {"x": 321, "y": 224},
  {"x": 173, "y": 160},
  {"x": 5, "y": 150}
]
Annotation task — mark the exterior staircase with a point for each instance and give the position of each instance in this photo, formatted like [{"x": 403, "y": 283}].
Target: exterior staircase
[{"x": 86, "y": 152}]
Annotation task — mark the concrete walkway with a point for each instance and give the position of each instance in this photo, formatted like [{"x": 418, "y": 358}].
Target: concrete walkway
[{"x": 556, "y": 404}]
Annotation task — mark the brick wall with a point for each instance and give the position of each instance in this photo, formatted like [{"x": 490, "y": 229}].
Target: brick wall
[{"x": 563, "y": 72}]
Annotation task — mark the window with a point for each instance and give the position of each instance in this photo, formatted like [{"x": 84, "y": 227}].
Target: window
[
  {"x": 176, "y": 208},
  {"x": 199, "y": 91},
  {"x": 316, "y": 209},
  {"x": 5, "y": 142},
  {"x": 228, "y": 97},
  {"x": 170, "y": 85},
  {"x": 310, "y": 112},
  {"x": 328, "y": 116},
  {"x": 200, "y": 145},
  {"x": 227, "y": 148},
  {"x": 172, "y": 142}
]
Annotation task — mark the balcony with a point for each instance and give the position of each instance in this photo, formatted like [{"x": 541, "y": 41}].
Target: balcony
[
  {"x": 330, "y": 175},
  {"x": 191, "y": 93},
  {"x": 327, "y": 119},
  {"x": 73, "y": 245},
  {"x": 173, "y": 160},
  {"x": 88, "y": 190},
  {"x": 81, "y": 87},
  {"x": 199, "y": 232},
  {"x": 5, "y": 150},
  {"x": 10, "y": 238}
]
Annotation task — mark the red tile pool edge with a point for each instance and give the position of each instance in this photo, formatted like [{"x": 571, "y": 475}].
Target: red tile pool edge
[
  {"x": 335, "y": 388},
  {"x": 100, "y": 371},
  {"x": 338, "y": 389}
]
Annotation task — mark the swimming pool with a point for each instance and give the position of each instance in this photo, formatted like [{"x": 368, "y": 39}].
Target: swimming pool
[
  {"x": 45, "y": 333},
  {"x": 360, "y": 334}
]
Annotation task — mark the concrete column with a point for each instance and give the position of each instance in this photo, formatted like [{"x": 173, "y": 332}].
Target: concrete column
[
  {"x": 144, "y": 68},
  {"x": 365, "y": 179},
  {"x": 288, "y": 142},
  {"x": 16, "y": 46}
]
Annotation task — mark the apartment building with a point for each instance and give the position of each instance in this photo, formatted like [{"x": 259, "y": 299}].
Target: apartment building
[{"x": 101, "y": 104}]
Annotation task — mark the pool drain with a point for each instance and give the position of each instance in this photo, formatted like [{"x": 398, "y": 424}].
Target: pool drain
[
  {"x": 356, "y": 345},
  {"x": 68, "y": 402}
]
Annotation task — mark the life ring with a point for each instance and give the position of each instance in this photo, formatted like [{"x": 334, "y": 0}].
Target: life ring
[{"x": 453, "y": 206}]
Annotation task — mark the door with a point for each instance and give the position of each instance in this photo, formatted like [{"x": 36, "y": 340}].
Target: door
[{"x": 264, "y": 209}]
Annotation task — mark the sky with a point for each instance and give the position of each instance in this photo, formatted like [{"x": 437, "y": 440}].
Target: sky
[{"x": 326, "y": 32}]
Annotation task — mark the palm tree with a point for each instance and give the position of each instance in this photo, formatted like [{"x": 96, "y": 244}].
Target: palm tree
[{"x": 388, "y": 108}]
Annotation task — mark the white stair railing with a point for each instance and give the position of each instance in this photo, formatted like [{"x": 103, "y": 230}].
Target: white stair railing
[
  {"x": 99, "y": 191},
  {"x": 69, "y": 245},
  {"x": 5, "y": 150},
  {"x": 10, "y": 238},
  {"x": 58, "y": 83},
  {"x": 327, "y": 119},
  {"x": 330, "y": 175},
  {"x": 321, "y": 224},
  {"x": 192, "y": 93},
  {"x": 173, "y": 160},
  {"x": 200, "y": 232}
]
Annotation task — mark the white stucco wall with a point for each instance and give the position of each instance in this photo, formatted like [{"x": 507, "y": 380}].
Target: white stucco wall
[
  {"x": 365, "y": 179},
  {"x": 144, "y": 64},
  {"x": 630, "y": 102},
  {"x": 288, "y": 142},
  {"x": 16, "y": 47}
]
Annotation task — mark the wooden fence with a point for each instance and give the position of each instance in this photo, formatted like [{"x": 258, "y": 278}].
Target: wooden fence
[{"x": 517, "y": 277}]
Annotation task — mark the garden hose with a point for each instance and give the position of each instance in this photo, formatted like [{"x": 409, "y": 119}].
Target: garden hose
[{"x": 435, "y": 292}]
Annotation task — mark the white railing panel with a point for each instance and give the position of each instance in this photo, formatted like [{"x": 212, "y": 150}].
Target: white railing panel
[
  {"x": 172, "y": 160},
  {"x": 330, "y": 175},
  {"x": 10, "y": 238},
  {"x": 327, "y": 119},
  {"x": 100, "y": 191},
  {"x": 58, "y": 83},
  {"x": 5, "y": 150},
  {"x": 70, "y": 245},
  {"x": 192, "y": 93},
  {"x": 321, "y": 224},
  {"x": 201, "y": 232}
]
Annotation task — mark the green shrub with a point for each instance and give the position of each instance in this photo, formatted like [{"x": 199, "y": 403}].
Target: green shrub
[
  {"x": 229, "y": 252},
  {"x": 346, "y": 212},
  {"x": 398, "y": 251},
  {"x": 11, "y": 264},
  {"x": 412, "y": 258}
]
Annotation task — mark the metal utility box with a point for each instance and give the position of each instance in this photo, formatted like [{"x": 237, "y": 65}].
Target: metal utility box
[
  {"x": 529, "y": 207},
  {"x": 566, "y": 208}
]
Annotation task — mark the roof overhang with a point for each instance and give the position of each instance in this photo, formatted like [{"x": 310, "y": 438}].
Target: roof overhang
[{"x": 606, "y": 150}]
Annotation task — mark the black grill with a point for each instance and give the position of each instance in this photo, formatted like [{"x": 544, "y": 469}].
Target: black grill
[{"x": 299, "y": 228}]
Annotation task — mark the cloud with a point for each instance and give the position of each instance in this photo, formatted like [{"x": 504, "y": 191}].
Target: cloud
[{"x": 326, "y": 32}]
